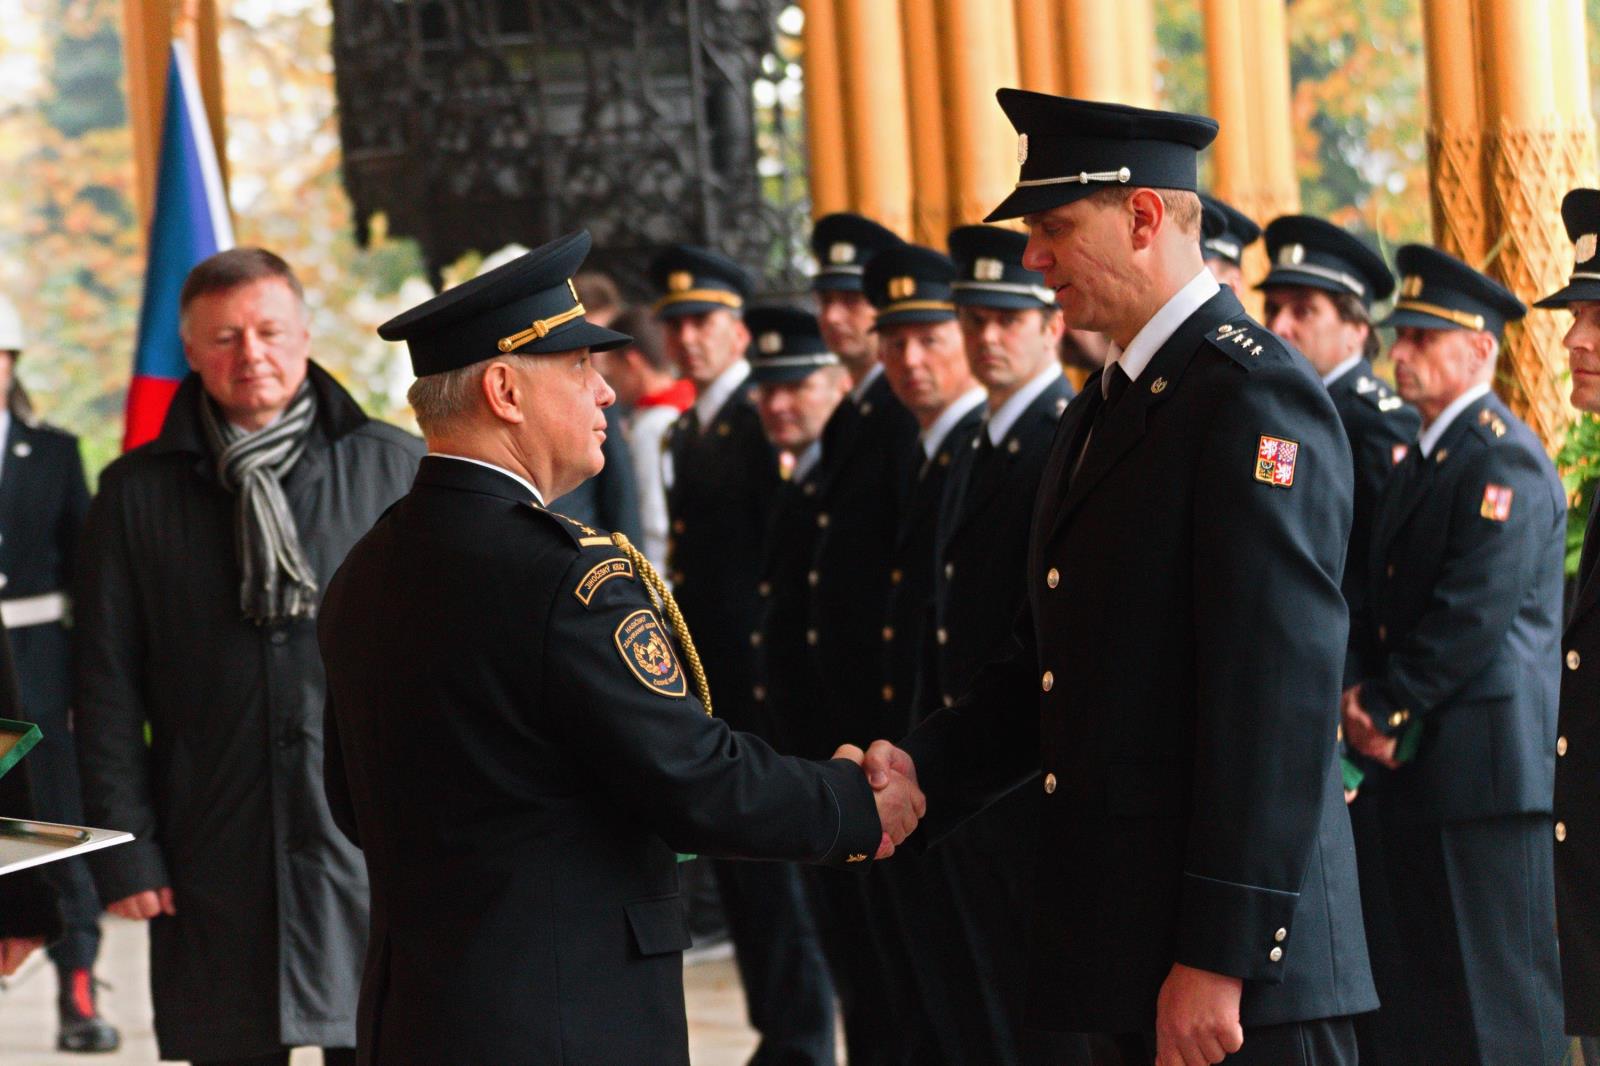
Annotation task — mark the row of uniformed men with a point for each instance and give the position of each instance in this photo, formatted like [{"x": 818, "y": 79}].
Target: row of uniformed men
[{"x": 904, "y": 476}]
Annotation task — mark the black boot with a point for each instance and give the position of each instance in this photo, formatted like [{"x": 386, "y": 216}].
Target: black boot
[{"x": 82, "y": 1028}]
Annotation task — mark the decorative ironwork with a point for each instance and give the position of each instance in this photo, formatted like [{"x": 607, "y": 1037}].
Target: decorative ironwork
[{"x": 475, "y": 123}]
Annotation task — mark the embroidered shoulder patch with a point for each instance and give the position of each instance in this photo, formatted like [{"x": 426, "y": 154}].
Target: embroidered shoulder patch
[
  {"x": 599, "y": 575},
  {"x": 1496, "y": 505},
  {"x": 1275, "y": 459},
  {"x": 647, "y": 653}
]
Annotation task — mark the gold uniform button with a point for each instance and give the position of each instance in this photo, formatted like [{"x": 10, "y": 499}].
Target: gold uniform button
[
  {"x": 812, "y": 577},
  {"x": 1281, "y": 935},
  {"x": 949, "y": 700},
  {"x": 1561, "y": 832},
  {"x": 755, "y": 639},
  {"x": 822, "y": 520},
  {"x": 1399, "y": 718},
  {"x": 1053, "y": 578},
  {"x": 1049, "y": 784},
  {"x": 888, "y": 633},
  {"x": 942, "y": 636},
  {"x": 888, "y": 693},
  {"x": 760, "y": 692},
  {"x": 949, "y": 571},
  {"x": 1574, "y": 660},
  {"x": 1048, "y": 681},
  {"x": 677, "y": 525},
  {"x": 895, "y": 576},
  {"x": 764, "y": 589},
  {"x": 811, "y": 637},
  {"x": 1561, "y": 745},
  {"x": 1276, "y": 954}
]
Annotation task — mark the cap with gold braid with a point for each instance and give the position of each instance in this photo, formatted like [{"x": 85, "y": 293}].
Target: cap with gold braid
[
  {"x": 525, "y": 307},
  {"x": 1439, "y": 291},
  {"x": 910, "y": 284},
  {"x": 693, "y": 281}
]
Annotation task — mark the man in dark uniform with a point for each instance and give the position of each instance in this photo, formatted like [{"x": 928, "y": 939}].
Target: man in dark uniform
[
  {"x": 970, "y": 954},
  {"x": 1457, "y": 699},
  {"x": 1175, "y": 674},
  {"x": 722, "y": 483},
  {"x": 1319, "y": 295},
  {"x": 870, "y": 458},
  {"x": 1577, "y": 792},
  {"x": 1225, "y": 232},
  {"x": 521, "y": 744},
  {"x": 30, "y": 912},
  {"x": 43, "y": 502}
]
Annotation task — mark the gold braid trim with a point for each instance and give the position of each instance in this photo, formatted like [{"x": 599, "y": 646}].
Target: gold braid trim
[{"x": 661, "y": 596}]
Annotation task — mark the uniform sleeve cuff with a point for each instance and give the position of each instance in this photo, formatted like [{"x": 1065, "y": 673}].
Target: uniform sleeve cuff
[
  {"x": 860, "y": 832},
  {"x": 1389, "y": 715},
  {"x": 1238, "y": 930},
  {"x": 128, "y": 869}
]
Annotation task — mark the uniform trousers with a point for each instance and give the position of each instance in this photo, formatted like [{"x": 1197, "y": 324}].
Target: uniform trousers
[
  {"x": 840, "y": 904},
  {"x": 1475, "y": 906},
  {"x": 1320, "y": 1042},
  {"x": 787, "y": 990},
  {"x": 43, "y": 661},
  {"x": 331, "y": 1056},
  {"x": 1383, "y": 1036}
]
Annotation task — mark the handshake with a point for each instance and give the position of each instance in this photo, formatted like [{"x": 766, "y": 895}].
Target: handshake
[{"x": 893, "y": 777}]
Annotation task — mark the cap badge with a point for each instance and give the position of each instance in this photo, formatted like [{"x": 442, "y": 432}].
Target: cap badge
[
  {"x": 1411, "y": 287},
  {"x": 902, "y": 288},
  {"x": 1275, "y": 459},
  {"x": 841, "y": 252},
  {"x": 770, "y": 343},
  {"x": 1585, "y": 247},
  {"x": 1291, "y": 255},
  {"x": 680, "y": 281},
  {"x": 988, "y": 269},
  {"x": 1022, "y": 148}
]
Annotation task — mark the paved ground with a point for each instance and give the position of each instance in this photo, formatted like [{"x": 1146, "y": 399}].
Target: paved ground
[{"x": 718, "y": 1035}]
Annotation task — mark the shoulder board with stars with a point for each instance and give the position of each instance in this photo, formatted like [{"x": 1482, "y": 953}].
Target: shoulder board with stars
[
  {"x": 1491, "y": 424},
  {"x": 1378, "y": 394},
  {"x": 583, "y": 536},
  {"x": 1245, "y": 340}
]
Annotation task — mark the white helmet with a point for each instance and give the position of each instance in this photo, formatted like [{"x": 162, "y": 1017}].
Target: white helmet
[
  {"x": 10, "y": 326},
  {"x": 501, "y": 258}
]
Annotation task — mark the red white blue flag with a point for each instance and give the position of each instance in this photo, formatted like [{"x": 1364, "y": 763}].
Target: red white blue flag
[{"x": 190, "y": 223}]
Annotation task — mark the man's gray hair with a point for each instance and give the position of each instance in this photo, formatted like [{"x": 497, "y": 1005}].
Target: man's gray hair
[{"x": 439, "y": 400}]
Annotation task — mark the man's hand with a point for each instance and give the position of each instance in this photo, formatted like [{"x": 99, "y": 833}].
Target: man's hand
[
  {"x": 901, "y": 804},
  {"x": 1197, "y": 1017},
  {"x": 14, "y": 949},
  {"x": 142, "y": 906},
  {"x": 1361, "y": 734}
]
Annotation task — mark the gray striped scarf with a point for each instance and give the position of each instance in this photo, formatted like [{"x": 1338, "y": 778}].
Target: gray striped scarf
[{"x": 278, "y": 583}]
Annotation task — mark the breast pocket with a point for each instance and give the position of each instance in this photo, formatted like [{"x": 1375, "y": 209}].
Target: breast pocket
[{"x": 659, "y": 925}]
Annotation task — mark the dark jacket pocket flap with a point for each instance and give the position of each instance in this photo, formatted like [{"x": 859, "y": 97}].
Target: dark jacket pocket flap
[{"x": 659, "y": 925}]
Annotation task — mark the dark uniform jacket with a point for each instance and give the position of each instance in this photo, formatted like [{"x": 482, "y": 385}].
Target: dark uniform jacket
[
  {"x": 724, "y": 478},
  {"x": 226, "y": 799},
  {"x": 908, "y": 623},
  {"x": 1382, "y": 430},
  {"x": 870, "y": 457},
  {"x": 787, "y": 688},
  {"x": 519, "y": 753},
  {"x": 1176, "y": 676},
  {"x": 983, "y": 540},
  {"x": 1464, "y": 620},
  {"x": 1577, "y": 800},
  {"x": 28, "y": 906}
]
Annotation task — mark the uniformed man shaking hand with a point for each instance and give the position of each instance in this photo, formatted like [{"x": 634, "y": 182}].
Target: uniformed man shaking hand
[{"x": 520, "y": 737}]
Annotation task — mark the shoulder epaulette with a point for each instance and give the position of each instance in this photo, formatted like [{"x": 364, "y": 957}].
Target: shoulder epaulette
[
  {"x": 1246, "y": 341},
  {"x": 1377, "y": 393},
  {"x": 583, "y": 536},
  {"x": 1490, "y": 426}
]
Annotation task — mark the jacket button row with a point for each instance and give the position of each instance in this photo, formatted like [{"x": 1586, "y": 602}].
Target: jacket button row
[
  {"x": 1574, "y": 660},
  {"x": 812, "y": 577},
  {"x": 1275, "y": 955},
  {"x": 1281, "y": 935},
  {"x": 1053, "y": 578},
  {"x": 942, "y": 636},
  {"x": 1049, "y": 784},
  {"x": 1561, "y": 832},
  {"x": 1048, "y": 681},
  {"x": 811, "y": 637},
  {"x": 1561, "y": 745}
]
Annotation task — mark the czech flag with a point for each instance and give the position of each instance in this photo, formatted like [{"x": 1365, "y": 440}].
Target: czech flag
[{"x": 190, "y": 223}]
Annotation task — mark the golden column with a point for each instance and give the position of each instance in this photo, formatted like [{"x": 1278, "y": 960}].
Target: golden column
[
  {"x": 1092, "y": 50},
  {"x": 978, "y": 46},
  {"x": 1458, "y": 193},
  {"x": 1137, "y": 30},
  {"x": 872, "y": 64},
  {"x": 149, "y": 27},
  {"x": 1571, "y": 70},
  {"x": 1231, "y": 152},
  {"x": 825, "y": 141},
  {"x": 930, "y": 192},
  {"x": 1529, "y": 166},
  {"x": 1038, "y": 45},
  {"x": 1271, "y": 130}
]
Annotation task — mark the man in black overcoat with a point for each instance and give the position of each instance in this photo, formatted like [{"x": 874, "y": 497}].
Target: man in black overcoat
[
  {"x": 1173, "y": 681},
  {"x": 1577, "y": 794},
  {"x": 523, "y": 733},
  {"x": 1460, "y": 675}
]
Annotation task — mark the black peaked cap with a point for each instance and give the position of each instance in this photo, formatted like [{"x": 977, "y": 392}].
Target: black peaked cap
[
  {"x": 910, "y": 284},
  {"x": 695, "y": 280},
  {"x": 989, "y": 270},
  {"x": 842, "y": 243},
  {"x": 1315, "y": 253},
  {"x": 785, "y": 344},
  {"x": 1225, "y": 231},
  {"x": 1439, "y": 291},
  {"x": 1580, "y": 212}
]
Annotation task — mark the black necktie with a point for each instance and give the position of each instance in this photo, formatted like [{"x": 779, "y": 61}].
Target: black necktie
[{"x": 1116, "y": 384}]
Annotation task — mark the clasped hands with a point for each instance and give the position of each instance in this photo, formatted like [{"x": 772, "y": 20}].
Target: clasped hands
[
  {"x": 893, "y": 777},
  {"x": 1360, "y": 732}
]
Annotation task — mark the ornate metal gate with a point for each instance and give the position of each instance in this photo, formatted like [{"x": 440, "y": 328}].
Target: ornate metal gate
[{"x": 474, "y": 123}]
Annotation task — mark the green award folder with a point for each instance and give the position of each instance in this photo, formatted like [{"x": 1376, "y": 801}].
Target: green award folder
[{"x": 16, "y": 740}]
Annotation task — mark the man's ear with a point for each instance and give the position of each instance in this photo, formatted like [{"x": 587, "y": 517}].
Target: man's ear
[
  {"x": 1148, "y": 214},
  {"x": 504, "y": 392}
]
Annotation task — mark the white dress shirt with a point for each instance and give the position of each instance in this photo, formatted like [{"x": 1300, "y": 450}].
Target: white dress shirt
[
  {"x": 935, "y": 434},
  {"x": 860, "y": 388},
  {"x": 1001, "y": 421},
  {"x": 1162, "y": 325},
  {"x": 518, "y": 478},
  {"x": 1341, "y": 370},
  {"x": 714, "y": 395},
  {"x": 1430, "y": 436},
  {"x": 806, "y": 461}
]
